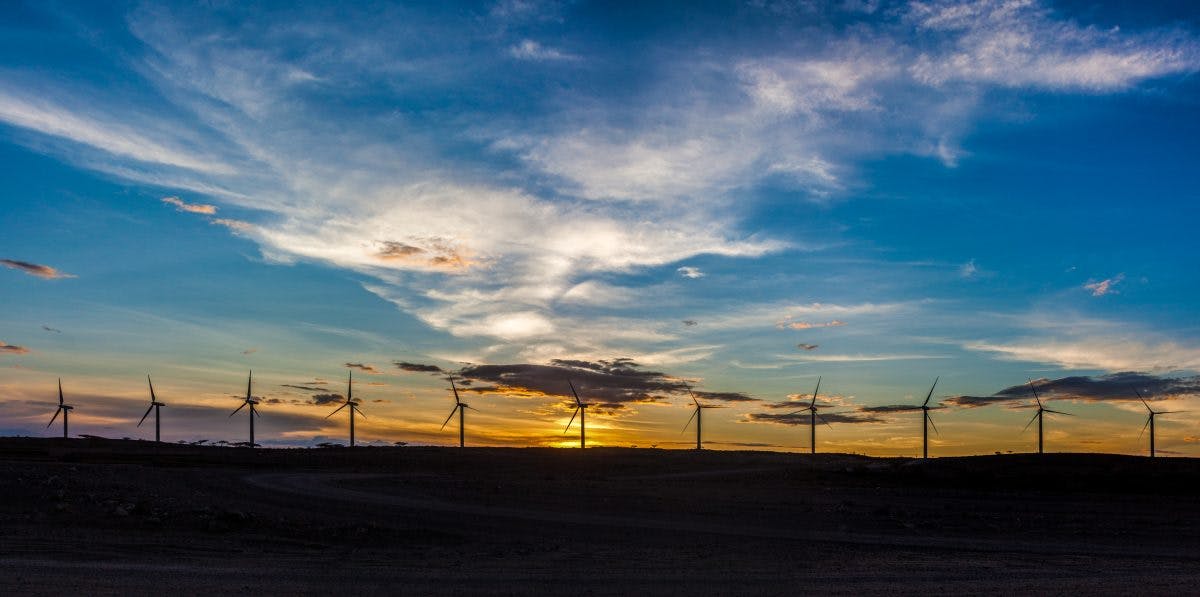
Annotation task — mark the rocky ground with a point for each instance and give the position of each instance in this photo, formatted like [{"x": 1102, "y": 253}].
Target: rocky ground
[{"x": 122, "y": 517}]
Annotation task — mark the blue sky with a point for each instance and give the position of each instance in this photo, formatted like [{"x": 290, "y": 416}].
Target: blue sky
[{"x": 744, "y": 195}]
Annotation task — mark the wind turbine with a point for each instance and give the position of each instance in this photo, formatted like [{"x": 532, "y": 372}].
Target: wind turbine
[
  {"x": 249, "y": 401},
  {"x": 353, "y": 407},
  {"x": 1150, "y": 420},
  {"x": 461, "y": 408},
  {"x": 65, "y": 409},
  {"x": 927, "y": 421},
  {"x": 812, "y": 417},
  {"x": 154, "y": 406},
  {"x": 581, "y": 411},
  {"x": 1038, "y": 415},
  {"x": 698, "y": 415}
]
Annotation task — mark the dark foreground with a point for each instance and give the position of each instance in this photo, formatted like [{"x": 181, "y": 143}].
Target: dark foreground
[{"x": 112, "y": 517}]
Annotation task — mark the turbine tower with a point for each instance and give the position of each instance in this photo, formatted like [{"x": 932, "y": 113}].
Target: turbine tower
[
  {"x": 698, "y": 415},
  {"x": 581, "y": 411},
  {"x": 1150, "y": 420},
  {"x": 461, "y": 408},
  {"x": 352, "y": 404},
  {"x": 927, "y": 421},
  {"x": 251, "y": 402},
  {"x": 154, "y": 406},
  {"x": 65, "y": 409},
  {"x": 1038, "y": 415},
  {"x": 811, "y": 409}
]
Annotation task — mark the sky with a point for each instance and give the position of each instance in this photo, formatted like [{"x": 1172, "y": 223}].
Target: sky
[{"x": 736, "y": 197}]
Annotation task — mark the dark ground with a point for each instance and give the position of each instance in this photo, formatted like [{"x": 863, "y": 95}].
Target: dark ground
[{"x": 117, "y": 517}]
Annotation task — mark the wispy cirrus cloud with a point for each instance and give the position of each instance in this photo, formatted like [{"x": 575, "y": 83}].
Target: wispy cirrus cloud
[
  {"x": 195, "y": 208},
  {"x": 528, "y": 49},
  {"x": 35, "y": 269},
  {"x": 808, "y": 325}
]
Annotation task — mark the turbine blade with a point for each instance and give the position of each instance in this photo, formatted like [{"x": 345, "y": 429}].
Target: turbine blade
[
  {"x": 239, "y": 408},
  {"x": 690, "y": 419},
  {"x": 447, "y": 421},
  {"x": 60, "y": 394},
  {"x": 1059, "y": 412},
  {"x": 355, "y": 409},
  {"x": 1035, "y": 394},
  {"x": 1035, "y": 416},
  {"x": 455, "y": 389},
  {"x": 56, "y": 411},
  {"x": 145, "y": 415},
  {"x": 578, "y": 402},
  {"x": 1139, "y": 395},
  {"x": 823, "y": 422},
  {"x": 153, "y": 398},
  {"x": 930, "y": 419},
  {"x": 930, "y": 394},
  {"x": 1145, "y": 426},
  {"x": 814, "y": 400},
  {"x": 254, "y": 411},
  {"x": 350, "y": 387},
  {"x": 344, "y": 405},
  {"x": 577, "y": 409}
]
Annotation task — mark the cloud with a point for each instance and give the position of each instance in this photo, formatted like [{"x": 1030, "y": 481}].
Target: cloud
[
  {"x": 612, "y": 383},
  {"x": 805, "y": 325},
  {"x": 195, "y": 208},
  {"x": 725, "y": 396},
  {"x": 1112, "y": 387},
  {"x": 688, "y": 271},
  {"x": 1105, "y": 286},
  {"x": 1108, "y": 353},
  {"x": 689, "y": 323},
  {"x": 50, "y": 329},
  {"x": 529, "y": 49},
  {"x": 307, "y": 388},
  {"x": 33, "y": 269},
  {"x": 807, "y": 346},
  {"x": 859, "y": 358},
  {"x": 1018, "y": 43},
  {"x": 326, "y": 399},
  {"x": 12, "y": 349},
  {"x": 804, "y": 418},
  {"x": 100, "y": 129},
  {"x": 417, "y": 367},
  {"x": 896, "y": 408},
  {"x": 364, "y": 368},
  {"x": 968, "y": 269}
]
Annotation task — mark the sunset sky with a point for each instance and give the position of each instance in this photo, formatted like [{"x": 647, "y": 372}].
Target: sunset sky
[{"x": 743, "y": 196}]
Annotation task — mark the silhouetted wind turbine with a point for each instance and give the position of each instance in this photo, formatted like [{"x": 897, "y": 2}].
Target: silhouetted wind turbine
[
  {"x": 927, "y": 421},
  {"x": 1038, "y": 415},
  {"x": 352, "y": 404},
  {"x": 1150, "y": 420},
  {"x": 154, "y": 406},
  {"x": 812, "y": 418},
  {"x": 698, "y": 415},
  {"x": 581, "y": 411},
  {"x": 461, "y": 408},
  {"x": 249, "y": 401},
  {"x": 65, "y": 409}
]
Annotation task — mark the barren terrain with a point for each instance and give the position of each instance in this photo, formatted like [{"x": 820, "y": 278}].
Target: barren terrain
[{"x": 123, "y": 517}]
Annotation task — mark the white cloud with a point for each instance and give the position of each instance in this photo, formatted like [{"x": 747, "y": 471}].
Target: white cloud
[
  {"x": 1017, "y": 43},
  {"x": 529, "y": 49},
  {"x": 1106, "y": 286},
  {"x": 688, "y": 271},
  {"x": 968, "y": 269},
  {"x": 1112, "y": 354},
  {"x": 99, "y": 132}
]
